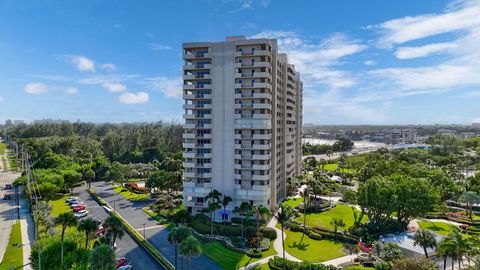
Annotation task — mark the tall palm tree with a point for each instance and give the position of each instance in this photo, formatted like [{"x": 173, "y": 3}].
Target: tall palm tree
[
  {"x": 305, "y": 194},
  {"x": 460, "y": 243},
  {"x": 212, "y": 208},
  {"x": 445, "y": 249},
  {"x": 65, "y": 220},
  {"x": 89, "y": 226},
  {"x": 260, "y": 213},
  {"x": 242, "y": 210},
  {"x": 284, "y": 215},
  {"x": 114, "y": 229},
  {"x": 425, "y": 239},
  {"x": 225, "y": 201},
  {"x": 176, "y": 236},
  {"x": 329, "y": 155},
  {"x": 189, "y": 248},
  {"x": 214, "y": 195}
]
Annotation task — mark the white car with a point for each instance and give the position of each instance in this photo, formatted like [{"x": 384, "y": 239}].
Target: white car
[
  {"x": 81, "y": 214},
  {"x": 125, "y": 267},
  {"x": 69, "y": 199}
]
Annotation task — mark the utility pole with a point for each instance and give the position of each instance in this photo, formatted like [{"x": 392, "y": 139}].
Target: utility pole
[{"x": 144, "y": 231}]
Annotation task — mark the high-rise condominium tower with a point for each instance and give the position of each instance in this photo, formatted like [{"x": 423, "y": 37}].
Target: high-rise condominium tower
[{"x": 243, "y": 120}]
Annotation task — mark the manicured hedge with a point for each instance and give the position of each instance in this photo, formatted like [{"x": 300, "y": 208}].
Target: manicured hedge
[
  {"x": 254, "y": 253},
  {"x": 277, "y": 264},
  {"x": 269, "y": 233}
]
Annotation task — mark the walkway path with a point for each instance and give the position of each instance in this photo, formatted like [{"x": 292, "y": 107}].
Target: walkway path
[{"x": 27, "y": 227}]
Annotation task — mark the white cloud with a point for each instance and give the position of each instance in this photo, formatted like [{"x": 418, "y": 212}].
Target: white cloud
[
  {"x": 109, "y": 67},
  {"x": 114, "y": 87},
  {"x": 170, "y": 87},
  {"x": 134, "y": 98},
  {"x": 464, "y": 16},
  {"x": 369, "y": 62},
  {"x": 159, "y": 47},
  {"x": 108, "y": 79},
  {"x": 35, "y": 88},
  {"x": 71, "y": 90},
  {"x": 318, "y": 62},
  {"x": 426, "y": 50},
  {"x": 474, "y": 94},
  {"x": 81, "y": 62},
  {"x": 1, "y": 98}
]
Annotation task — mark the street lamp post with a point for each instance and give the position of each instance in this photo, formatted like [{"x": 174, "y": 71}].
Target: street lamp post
[{"x": 144, "y": 231}]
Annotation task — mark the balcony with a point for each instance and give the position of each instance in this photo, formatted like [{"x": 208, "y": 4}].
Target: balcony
[
  {"x": 196, "y": 86},
  {"x": 253, "y": 187},
  {"x": 197, "y": 116},
  {"x": 254, "y": 136},
  {"x": 196, "y": 55},
  {"x": 189, "y": 135},
  {"x": 254, "y": 95},
  {"x": 197, "y": 96},
  {"x": 253, "y": 53},
  {"x": 253, "y": 75},
  {"x": 188, "y": 165},
  {"x": 197, "y": 67},
  {"x": 253, "y": 146},
  {"x": 196, "y": 106},
  {"x": 253, "y": 116},
  {"x": 253, "y": 85},
  {"x": 252, "y": 195},
  {"x": 188, "y": 145},
  {"x": 253, "y": 64},
  {"x": 196, "y": 191},
  {"x": 253, "y": 106},
  {"x": 261, "y": 157},
  {"x": 203, "y": 155},
  {"x": 197, "y": 76}
]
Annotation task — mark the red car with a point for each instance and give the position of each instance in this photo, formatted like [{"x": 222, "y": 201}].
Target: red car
[
  {"x": 120, "y": 262},
  {"x": 100, "y": 231},
  {"x": 78, "y": 208}
]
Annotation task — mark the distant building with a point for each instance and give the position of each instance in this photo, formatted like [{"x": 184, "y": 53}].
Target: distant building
[
  {"x": 9, "y": 122},
  {"x": 409, "y": 136},
  {"x": 468, "y": 135},
  {"x": 446, "y": 132},
  {"x": 476, "y": 125}
]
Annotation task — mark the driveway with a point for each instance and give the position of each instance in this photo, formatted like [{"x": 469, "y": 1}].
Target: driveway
[
  {"x": 156, "y": 234},
  {"x": 127, "y": 247}
]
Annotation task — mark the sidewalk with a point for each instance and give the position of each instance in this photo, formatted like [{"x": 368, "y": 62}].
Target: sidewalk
[{"x": 26, "y": 224}]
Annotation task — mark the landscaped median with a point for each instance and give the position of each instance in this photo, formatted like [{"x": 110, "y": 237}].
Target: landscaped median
[
  {"x": 137, "y": 236},
  {"x": 13, "y": 257}
]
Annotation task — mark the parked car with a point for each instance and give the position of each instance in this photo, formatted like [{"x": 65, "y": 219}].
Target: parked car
[
  {"x": 69, "y": 199},
  {"x": 125, "y": 267},
  {"x": 120, "y": 262},
  {"x": 79, "y": 208},
  {"x": 7, "y": 197},
  {"x": 81, "y": 214},
  {"x": 76, "y": 204},
  {"x": 100, "y": 231},
  {"x": 75, "y": 201},
  {"x": 8, "y": 186}
]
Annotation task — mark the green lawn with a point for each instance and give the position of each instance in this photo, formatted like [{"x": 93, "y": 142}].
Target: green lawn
[
  {"x": 2, "y": 148},
  {"x": 229, "y": 259},
  {"x": 59, "y": 205},
  {"x": 441, "y": 228},
  {"x": 13, "y": 256},
  {"x": 334, "y": 166},
  {"x": 4, "y": 163},
  {"x": 310, "y": 250},
  {"x": 131, "y": 195},
  {"x": 262, "y": 267},
  {"x": 323, "y": 219},
  {"x": 13, "y": 162},
  {"x": 293, "y": 202}
]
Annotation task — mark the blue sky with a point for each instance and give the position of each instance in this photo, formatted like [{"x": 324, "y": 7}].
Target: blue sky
[{"x": 362, "y": 62}]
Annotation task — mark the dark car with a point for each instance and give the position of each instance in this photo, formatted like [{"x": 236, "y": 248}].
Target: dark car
[
  {"x": 7, "y": 197},
  {"x": 8, "y": 186}
]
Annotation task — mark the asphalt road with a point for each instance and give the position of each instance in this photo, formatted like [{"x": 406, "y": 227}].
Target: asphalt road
[
  {"x": 7, "y": 210},
  {"x": 156, "y": 234},
  {"x": 127, "y": 247}
]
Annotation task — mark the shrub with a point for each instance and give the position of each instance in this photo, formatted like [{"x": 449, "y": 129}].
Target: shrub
[
  {"x": 254, "y": 253},
  {"x": 295, "y": 228},
  {"x": 314, "y": 235},
  {"x": 202, "y": 227},
  {"x": 237, "y": 241},
  {"x": 269, "y": 233},
  {"x": 229, "y": 230},
  {"x": 277, "y": 264},
  {"x": 236, "y": 220},
  {"x": 264, "y": 244}
]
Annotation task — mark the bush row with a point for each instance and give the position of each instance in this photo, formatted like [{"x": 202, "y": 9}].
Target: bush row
[{"x": 277, "y": 263}]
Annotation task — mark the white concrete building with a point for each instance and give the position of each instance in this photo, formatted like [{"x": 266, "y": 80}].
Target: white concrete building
[{"x": 243, "y": 118}]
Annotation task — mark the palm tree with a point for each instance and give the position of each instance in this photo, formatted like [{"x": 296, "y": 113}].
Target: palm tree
[
  {"x": 337, "y": 223},
  {"x": 425, "y": 239},
  {"x": 176, "y": 236},
  {"x": 445, "y": 249},
  {"x": 65, "y": 220},
  {"x": 283, "y": 216},
  {"x": 225, "y": 201},
  {"x": 114, "y": 229},
  {"x": 306, "y": 193},
  {"x": 102, "y": 258},
  {"x": 189, "y": 248},
  {"x": 460, "y": 244},
  {"x": 329, "y": 155},
  {"x": 212, "y": 207},
  {"x": 214, "y": 195},
  {"x": 261, "y": 212},
  {"x": 242, "y": 210},
  {"x": 89, "y": 226}
]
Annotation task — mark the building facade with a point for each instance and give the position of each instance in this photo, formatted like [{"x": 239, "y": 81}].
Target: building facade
[{"x": 243, "y": 119}]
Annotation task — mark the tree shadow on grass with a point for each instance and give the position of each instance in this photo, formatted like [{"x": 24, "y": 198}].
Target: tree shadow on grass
[{"x": 299, "y": 246}]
